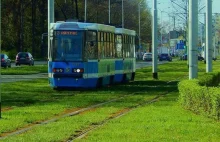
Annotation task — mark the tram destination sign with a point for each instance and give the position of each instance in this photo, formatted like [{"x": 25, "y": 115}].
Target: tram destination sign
[{"x": 66, "y": 32}]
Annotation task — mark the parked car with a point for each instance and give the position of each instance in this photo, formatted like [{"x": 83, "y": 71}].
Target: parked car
[
  {"x": 5, "y": 61},
  {"x": 184, "y": 57},
  {"x": 147, "y": 57},
  {"x": 200, "y": 58},
  {"x": 24, "y": 58},
  {"x": 165, "y": 57}
]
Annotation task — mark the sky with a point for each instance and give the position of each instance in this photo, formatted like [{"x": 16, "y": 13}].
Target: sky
[
  {"x": 166, "y": 6},
  {"x": 163, "y": 4}
]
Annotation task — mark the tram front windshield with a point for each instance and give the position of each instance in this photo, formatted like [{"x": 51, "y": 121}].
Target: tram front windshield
[{"x": 67, "y": 46}]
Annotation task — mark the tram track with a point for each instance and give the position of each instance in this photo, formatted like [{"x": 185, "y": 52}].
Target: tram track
[
  {"x": 82, "y": 133},
  {"x": 84, "y": 110},
  {"x": 57, "y": 117}
]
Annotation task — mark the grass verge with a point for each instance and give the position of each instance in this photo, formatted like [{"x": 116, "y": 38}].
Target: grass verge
[{"x": 30, "y": 102}]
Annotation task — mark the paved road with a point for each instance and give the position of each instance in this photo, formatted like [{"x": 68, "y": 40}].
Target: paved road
[
  {"x": 142, "y": 64},
  {"x": 13, "y": 78},
  {"x": 35, "y": 63}
]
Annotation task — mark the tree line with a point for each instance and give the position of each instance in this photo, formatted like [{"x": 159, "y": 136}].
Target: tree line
[{"x": 25, "y": 21}]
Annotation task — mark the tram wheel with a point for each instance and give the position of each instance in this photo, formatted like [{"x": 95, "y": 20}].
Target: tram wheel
[
  {"x": 99, "y": 82},
  {"x": 111, "y": 82},
  {"x": 124, "y": 79},
  {"x": 132, "y": 76}
]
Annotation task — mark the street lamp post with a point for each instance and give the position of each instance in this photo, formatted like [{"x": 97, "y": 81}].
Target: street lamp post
[
  {"x": 85, "y": 11},
  {"x": 154, "y": 40},
  {"x": 139, "y": 22},
  {"x": 109, "y": 11},
  {"x": 193, "y": 38},
  {"x": 209, "y": 36},
  {"x": 0, "y": 62},
  {"x": 122, "y": 13},
  {"x": 161, "y": 22}
]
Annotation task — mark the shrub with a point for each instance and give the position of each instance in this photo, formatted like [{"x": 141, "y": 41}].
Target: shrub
[{"x": 197, "y": 95}]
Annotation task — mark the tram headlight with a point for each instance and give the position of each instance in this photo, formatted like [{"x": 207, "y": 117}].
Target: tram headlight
[
  {"x": 58, "y": 70},
  {"x": 78, "y": 70}
]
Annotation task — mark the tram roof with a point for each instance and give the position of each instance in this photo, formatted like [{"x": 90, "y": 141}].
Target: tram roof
[
  {"x": 125, "y": 31},
  {"x": 83, "y": 26}
]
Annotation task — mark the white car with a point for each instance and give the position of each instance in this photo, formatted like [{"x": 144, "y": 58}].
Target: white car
[{"x": 147, "y": 57}]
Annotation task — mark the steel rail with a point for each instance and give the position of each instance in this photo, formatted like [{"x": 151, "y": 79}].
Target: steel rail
[
  {"x": 73, "y": 113},
  {"x": 83, "y": 133},
  {"x": 76, "y": 112}
]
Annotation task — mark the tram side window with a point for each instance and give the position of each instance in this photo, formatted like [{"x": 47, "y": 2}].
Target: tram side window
[
  {"x": 108, "y": 45},
  {"x": 119, "y": 46},
  {"x": 106, "y": 41},
  {"x": 111, "y": 45},
  {"x": 125, "y": 46},
  {"x": 100, "y": 54},
  {"x": 132, "y": 47},
  {"x": 55, "y": 46},
  {"x": 91, "y": 45}
]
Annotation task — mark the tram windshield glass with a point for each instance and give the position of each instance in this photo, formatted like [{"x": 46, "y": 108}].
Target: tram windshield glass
[{"x": 67, "y": 46}]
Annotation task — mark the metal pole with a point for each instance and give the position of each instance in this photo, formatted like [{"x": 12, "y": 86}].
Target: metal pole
[
  {"x": 201, "y": 35},
  {"x": 85, "y": 11},
  {"x": 0, "y": 62},
  {"x": 205, "y": 38},
  {"x": 209, "y": 36},
  {"x": 154, "y": 40},
  {"x": 161, "y": 38},
  {"x": 50, "y": 20},
  {"x": 193, "y": 38},
  {"x": 139, "y": 21},
  {"x": 109, "y": 11},
  {"x": 214, "y": 45},
  {"x": 122, "y": 10}
]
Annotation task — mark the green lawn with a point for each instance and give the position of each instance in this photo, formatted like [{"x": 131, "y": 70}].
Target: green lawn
[
  {"x": 25, "y": 69},
  {"x": 28, "y": 103}
]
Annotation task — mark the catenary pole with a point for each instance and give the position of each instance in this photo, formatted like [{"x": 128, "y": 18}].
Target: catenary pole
[
  {"x": 122, "y": 13},
  {"x": 0, "y": 62},
  {"x": 139, "y": 24},
  {"x": 139, "y": 27},
  {"x": 205, "y": 38},
  {"x": 208, "y": 36},
  {"x": 85, "y": 11},
  {"x": 109, "y": 11},
  {"x": 154, "y": 40},
  {"x": 50, "y": 20},
  {"x": 193, "y": 38}
]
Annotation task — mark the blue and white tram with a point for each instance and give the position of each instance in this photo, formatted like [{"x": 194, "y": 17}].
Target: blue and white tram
[
  {"x": 88, "y": 55},
  {"x": 125, "y": 60}
]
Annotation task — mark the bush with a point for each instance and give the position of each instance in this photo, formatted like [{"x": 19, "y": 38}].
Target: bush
[{"x": 197, "y": 95}]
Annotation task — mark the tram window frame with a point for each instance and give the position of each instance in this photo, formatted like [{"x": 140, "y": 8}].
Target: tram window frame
[
  {"x": 108, "y": 45},
  {"x": 104, "y": 44},
  {"x": 111, "y": 46},
  {"x": 132, "y": 47},
  {"x": 88, "y": 41},
  {"x": 126, "y": 46},
  {"x": 100, "y": 44},
  {"x": 53, "y": 48},
  {"x": 119, "y": 42}
]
